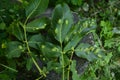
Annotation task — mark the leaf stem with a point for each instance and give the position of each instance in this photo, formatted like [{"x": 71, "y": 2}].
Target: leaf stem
[{"x": 32, "y": 12}]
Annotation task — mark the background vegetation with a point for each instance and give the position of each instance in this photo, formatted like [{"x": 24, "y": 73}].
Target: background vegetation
[{"x": 43, "y": 48}]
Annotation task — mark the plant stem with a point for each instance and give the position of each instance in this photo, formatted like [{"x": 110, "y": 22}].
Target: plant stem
[
  {"x": 63, "y": 70},
  {"x": 29, "y": 52},
  {"x": 68, "y": 75},
  {"x": 7, "y": 67},
  {"x": 62, "y": 52},
  {"x": 26, "y": 41},
  {"x": 63, "y": 74}
]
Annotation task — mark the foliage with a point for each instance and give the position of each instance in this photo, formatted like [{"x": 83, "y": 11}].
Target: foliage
[{"x": 33, "y": 45}]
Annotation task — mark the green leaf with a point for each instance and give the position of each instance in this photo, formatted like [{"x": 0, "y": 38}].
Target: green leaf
[
  {"x": 16, "y": 30},
  {"x": 72, "y": 44},
  {"x": 2, "y": 26},
  {"x": 62, "y": 21},
  {"x": 84, "y": 51},
  {"x": 75, "y": 76},
  {"x": 14, "y": 49},
  {"x": 77, "y": 32},
  {"x": 109, "y": 43},
  {"x": 36, "y": 40},
  {"x": 29, "y": 64},
  {"x": 90, "y": 57},
  {"x": 72, "y": 32},
  {"x": 50, "y": 50},
  {"x": 12, "y": 64},
  {"x": 66, "y": 60},
  {"x": 103, "y": 23},
  {"x": 36, "y": 25},
  {"x": 53, "y": 65},
  {"x": 76, "y": 2},
  {"x": 116, "y": 30},
  {"x": 88, "y": 25},
  {"x": 4, "y": 76},
  {"x": 119, "y": 48},
  {"x": 107, "y": 28},
  {"x": 119, "y": 12},
  {"x": 108, "y": 57},
  {"x": 85, "y": 7},
  {"x": 83, "y": 46},
  {"x": 36, "y": 7}
]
